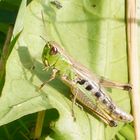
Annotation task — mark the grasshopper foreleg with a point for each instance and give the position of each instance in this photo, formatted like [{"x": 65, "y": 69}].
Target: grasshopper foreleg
[
  {"x": 107, "y": 83},
  {"x": 54, "y": 72}
]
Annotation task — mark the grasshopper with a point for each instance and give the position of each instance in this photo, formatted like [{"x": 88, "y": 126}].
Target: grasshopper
[{"x": 87, "y": 88}]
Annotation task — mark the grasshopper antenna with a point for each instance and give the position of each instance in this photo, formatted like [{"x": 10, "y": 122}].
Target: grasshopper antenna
[
  {"x": 43, "y": 39},
  {"x": 43, "y": 20}
]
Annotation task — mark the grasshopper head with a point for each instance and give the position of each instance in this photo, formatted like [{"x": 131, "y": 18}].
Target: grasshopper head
[{"x": 50, "y": 54}]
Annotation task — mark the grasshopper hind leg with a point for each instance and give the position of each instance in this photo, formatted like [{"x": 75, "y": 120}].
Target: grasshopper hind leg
[
  {"x": 111, "y": 84},
  {"x": 113, "y": 123},
  {"x": 92, "y": 108},
  {"x": 86, "y": 103}
]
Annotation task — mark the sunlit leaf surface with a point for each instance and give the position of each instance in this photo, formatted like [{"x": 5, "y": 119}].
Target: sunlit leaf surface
[{"x": 92, "y": 32}]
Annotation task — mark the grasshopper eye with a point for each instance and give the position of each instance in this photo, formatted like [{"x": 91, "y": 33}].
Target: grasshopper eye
[{"x": 53, "y": 51}]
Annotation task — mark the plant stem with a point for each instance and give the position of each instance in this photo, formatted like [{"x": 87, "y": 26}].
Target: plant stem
[
  {"x": 133, "y": 62},
  {"x": 39, "y": 124}
]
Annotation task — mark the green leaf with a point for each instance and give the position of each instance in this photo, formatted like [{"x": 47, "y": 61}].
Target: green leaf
[
  {"x": 8, "y": 11},
  {"x": 7, "y": 16},
  {"x": 4, "y": 57},
  {"x": 93, "y": 33},
  {"x": 119, "y": 137},
  {"x": 128, "y": 132},
  {"x": 10, "y": 5}
]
